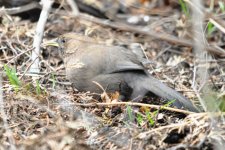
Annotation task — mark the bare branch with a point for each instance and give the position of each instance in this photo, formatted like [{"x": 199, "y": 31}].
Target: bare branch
[
  {"x": 16, "y": 10},
  {"x": 73, "y": 5},
  {"x": 47, "y": 4}
]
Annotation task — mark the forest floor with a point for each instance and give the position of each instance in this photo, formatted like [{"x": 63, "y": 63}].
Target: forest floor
[{"x": 45, "y": 112}]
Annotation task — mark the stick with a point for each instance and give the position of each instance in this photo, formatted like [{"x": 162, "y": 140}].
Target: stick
[
  {"x": 47, "y": 4},
  {"x": 16, "y": 10},
  {"x": 146, "y": 31},
  {"x": 135, "y": 104}
]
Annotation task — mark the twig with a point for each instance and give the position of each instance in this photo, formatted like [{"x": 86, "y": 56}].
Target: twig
[
  {"x": 28, "y": 67},
  {"x": 221, "y": 28},
  {"x": 16, "y": 10},
  {"x": 47, "y": 4},
  {"x": 144, "y": 134},
  {"x": 73, "y": 5},
  {"x": 104, "y": 95},
  {"x": 15, "y": 57},
  {"x": 135, "y": 104},
  {"x": 99, "y": 85},
  {"x": 220, "y": 24},
  {"x": 146, "y": 31}
]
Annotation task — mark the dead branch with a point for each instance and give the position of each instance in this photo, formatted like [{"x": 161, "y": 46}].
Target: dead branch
[
  {"x": 47, "y": 4},
  {"x": 24, "y": 8},
  {"x": 146, "y": 31}
]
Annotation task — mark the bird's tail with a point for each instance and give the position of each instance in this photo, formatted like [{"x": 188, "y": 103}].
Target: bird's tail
[{"x": 158, "y": 88}]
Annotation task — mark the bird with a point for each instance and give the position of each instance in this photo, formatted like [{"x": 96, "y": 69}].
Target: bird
[{"x": 115, "y": 68}]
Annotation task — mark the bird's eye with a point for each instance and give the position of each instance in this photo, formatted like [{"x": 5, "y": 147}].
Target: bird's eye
[{"x": 63, "y": 40}]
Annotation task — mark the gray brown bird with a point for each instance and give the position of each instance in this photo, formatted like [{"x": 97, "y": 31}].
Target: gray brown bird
[{"x": 114, "y": 68}]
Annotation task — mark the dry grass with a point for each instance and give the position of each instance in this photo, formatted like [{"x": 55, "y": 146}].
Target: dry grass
[{"x": 50, "y": 118}]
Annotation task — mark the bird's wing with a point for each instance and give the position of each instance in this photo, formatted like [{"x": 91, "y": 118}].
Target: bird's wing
[{"x": 122, "y": 59}]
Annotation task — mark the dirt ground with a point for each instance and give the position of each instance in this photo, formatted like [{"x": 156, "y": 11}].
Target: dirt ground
[{"x": 45, "y": 112}]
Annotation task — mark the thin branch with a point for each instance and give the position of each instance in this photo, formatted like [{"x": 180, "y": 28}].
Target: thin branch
[
  {"x": 73, "y": 5},
  {"x": 146, "y": 31},
  {"x": 135, "y": 104},
  {"x": 216, "y": 24},
  {"x": 47, "y": 4},
  {"x": 24, "y": 8}
]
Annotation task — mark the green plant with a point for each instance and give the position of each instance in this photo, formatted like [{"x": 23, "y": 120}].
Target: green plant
[
  {"x": 129, "y": 112},
  {"x": 222, "y": 6},
  {"x": 214, "y": 101},
  {"x": 149, "y": 117},
  {"x": 153, "y": 115},
  {"x": 210, "y": 28},
  {"x": 38, "y": 88},
  {"x": 139, "y": 119},
  {"x": 222, "y": 105},
  {"x": 12, "y": 76},
  {"x": 53, "y": 81},
  {"x": 184, "y": 8},
  {"x": 169, "y": 103}
]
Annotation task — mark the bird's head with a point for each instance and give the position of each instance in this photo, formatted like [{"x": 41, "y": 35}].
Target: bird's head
[
  {"x": 70, "y": 42},
  {"x": 66, "y": 43}
]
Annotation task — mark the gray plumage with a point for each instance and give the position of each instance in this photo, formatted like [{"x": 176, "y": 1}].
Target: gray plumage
[{"x": 114, "y": 68}]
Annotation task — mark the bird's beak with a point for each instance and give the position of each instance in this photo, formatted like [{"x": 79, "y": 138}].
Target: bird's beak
[{"x": 53, "y": 42}]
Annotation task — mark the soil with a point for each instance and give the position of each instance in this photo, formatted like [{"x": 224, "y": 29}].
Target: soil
[{"x": 43, "y": 111}]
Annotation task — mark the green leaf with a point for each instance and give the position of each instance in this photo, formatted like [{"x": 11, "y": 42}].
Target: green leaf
[
  {"x": 139, "y": 119},
  {"x": 222, "y": 6},
  {"x": 53, "y": 81},
  {"x": 12, "y": 76},
  {"x": 129, "y": 111},
  {"x": 169, "y": 103},
  {"x": 149, "y": 117},
  {"x": 210, "y": 28},
  {"x": 184, "y": 8},
  {"x": 38, "y": 88}
]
